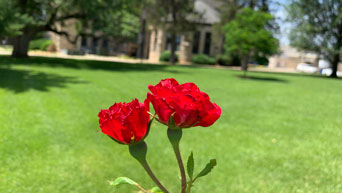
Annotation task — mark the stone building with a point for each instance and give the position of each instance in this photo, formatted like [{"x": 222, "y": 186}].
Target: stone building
[
  {"x": 89, "y": 45},
  {"x": 290, "y": 57},
  {"x": 204, "y": 40}
]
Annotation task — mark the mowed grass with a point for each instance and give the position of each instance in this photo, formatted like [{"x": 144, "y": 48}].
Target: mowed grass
[{"x": 277, "y": 133}]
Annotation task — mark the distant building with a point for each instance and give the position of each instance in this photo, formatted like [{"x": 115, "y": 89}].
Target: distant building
[
  {"x": 290, "y": 57},
  {"x": 203, "y": 40},
  {"x": 90, "y": 45}
]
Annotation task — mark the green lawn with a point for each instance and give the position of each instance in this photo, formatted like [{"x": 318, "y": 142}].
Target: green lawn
[{"x": 277, "y": 133}]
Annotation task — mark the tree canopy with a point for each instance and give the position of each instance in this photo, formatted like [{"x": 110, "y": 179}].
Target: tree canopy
[
  {"x": 317, "y": 27},
  {"x": 247, "y": 36},
  {"x": 29, "y": 17}
]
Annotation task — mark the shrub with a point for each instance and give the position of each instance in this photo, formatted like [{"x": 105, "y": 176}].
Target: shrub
[
  {"x": 261, "y": 60},
  {"x": 203, "y": 59},
  {"x": 223, "y": 60},
  {"x": 166, "y": 55},
  {"x": 40, "y": 44},
  {"x": 228, "y": 60}
]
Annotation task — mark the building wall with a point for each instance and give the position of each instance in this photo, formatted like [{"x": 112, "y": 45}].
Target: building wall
[
  {"x": 290, "y": 57},
  {"x": 60, "y": 41},
  {"x": 113, "y": 47},
  {"x": 185, "y": 51},
  {"x": 157, "y": 43},
  {"x": 289, "y": 62}
]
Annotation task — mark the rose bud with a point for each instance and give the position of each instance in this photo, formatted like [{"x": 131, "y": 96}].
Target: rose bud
[
  {"x": 184, "y": 103},
  {"x": 126, "y": 123}
]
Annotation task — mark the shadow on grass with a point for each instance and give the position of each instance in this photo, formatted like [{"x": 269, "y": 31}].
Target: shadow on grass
[
  {"x": 20, "y": 81},
  {"x": 84, "y": 64},
  {"x": 259, "y": 78}
]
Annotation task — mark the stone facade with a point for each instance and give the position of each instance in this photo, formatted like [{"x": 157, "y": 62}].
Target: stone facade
[
  {"x": 290, "y": 57},
  {"x": 204, "y": 38},
  {"x": 89, "y": 45}
]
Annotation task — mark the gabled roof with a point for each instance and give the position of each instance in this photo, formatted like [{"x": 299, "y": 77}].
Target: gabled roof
[{"x": 209, "y": 11}]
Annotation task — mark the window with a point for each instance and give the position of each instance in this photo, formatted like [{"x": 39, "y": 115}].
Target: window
[
  {"x": 168, "y": 42},
  {"x": 95, "y": 44},
  {"x": 207, "y": 43},
  {"x": 105, "y": 43},
  {"x": 196, "y": 42},
  {"x": 178, "y": 41},
  {"x": 84, "y": 42}
]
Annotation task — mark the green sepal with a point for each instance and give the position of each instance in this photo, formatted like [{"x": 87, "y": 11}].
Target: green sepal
[
  {"x": 138, "y": 150},
  {"x": 190, "y": 166},
  {"x": 172, "y": 123},
  {"x": 119, "y": 142},
  {"x": 174, "y": 135}
]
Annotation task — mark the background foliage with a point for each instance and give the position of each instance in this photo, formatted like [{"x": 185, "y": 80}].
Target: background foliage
[{"x": 247, "y": 36}]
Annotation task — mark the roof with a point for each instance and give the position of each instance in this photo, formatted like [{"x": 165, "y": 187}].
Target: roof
[{"x": 208, "y": 9}]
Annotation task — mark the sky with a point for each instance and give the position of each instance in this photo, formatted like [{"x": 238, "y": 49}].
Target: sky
[{"x": 278, "y": 10}]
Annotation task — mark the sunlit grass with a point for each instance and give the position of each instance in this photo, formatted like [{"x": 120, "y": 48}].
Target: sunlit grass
[{"x": 277, "y": 133}]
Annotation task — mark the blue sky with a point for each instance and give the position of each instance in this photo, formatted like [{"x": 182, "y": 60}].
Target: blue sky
[{"x": 278, "y": 10}]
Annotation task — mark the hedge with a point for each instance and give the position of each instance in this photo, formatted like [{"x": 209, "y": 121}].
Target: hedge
[
  {"x": 203, "y": 59},
  {"x": 166, "y": 55}
]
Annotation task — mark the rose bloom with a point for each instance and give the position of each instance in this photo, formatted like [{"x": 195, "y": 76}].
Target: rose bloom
[
  {"x": 126, "y": 123},
  {"x": 189, "y": 106}
]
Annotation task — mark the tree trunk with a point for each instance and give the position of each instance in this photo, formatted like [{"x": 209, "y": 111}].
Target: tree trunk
[
  {"x": 20, "y": 46},
  {"x": 334, "y": 64},
  {"x": 141, "y": 36},
  {"x": 244, "y": 65},
  {"x": 173, "y": 48},
  {"x": 252, "y": 4}
]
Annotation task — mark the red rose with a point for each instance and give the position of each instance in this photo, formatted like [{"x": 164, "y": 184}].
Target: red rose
[
  {"x": 125, "y": 122},
  {"x": 186, "y": 102}
]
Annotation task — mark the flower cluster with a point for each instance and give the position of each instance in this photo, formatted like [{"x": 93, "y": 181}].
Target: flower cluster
[
  {"x": 128, "y": 123},
  {"x": 176, "y": 105}
]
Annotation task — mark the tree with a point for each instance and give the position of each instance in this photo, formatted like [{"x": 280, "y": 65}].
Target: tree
[
  {"x": 230, "y": 8},
  {"x": 247, "y": 36},
  {"x": 175, "y": 16},
  {"x": 36, "y": 16},
  {"x": 317, "y": 27},
  {"x": 10, "y": 23}
]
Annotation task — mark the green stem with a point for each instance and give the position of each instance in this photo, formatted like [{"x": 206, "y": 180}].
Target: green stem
[
  {"x": 153, "y": 177},
  {"x": 175, "y": 136},
  {"x": 189, "y": 186},
  {"x": 138, "y": 151}
]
